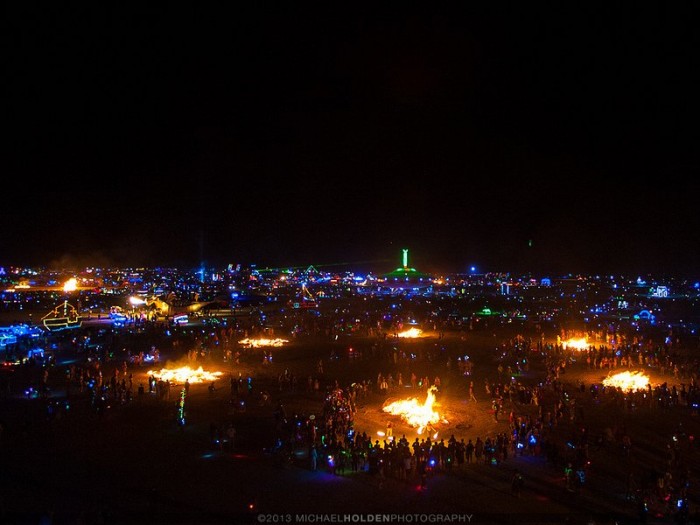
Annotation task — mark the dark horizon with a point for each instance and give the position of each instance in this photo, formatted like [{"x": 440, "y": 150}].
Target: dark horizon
[{"x": 515, "y": 140}]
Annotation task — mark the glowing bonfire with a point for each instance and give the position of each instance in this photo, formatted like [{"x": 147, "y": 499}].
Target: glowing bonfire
[
  {"x": 71, "y": 285},
  {"x": 579, "y": 343},
  {"x": 184, "y": 373},
  {"x": 257, "y": 343},
  {"x": 628, "y": 381},
  {"x": 411, "y": 333},
  {"x": 416, "y": 414}
]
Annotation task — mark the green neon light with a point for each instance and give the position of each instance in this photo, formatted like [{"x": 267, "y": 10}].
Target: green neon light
[
  {"x": 181, "y": 407},
  {"x": 405, "y": 257}
]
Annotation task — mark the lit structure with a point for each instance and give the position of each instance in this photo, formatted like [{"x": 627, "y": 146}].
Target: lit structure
[
  {"x": 406, "y": 273},
  {"x": 181, "y": 407},
  {"x": 136, "y": 301},
  {"x": 64, "y": 316}
]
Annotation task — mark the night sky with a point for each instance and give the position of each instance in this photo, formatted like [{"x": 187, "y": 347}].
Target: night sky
[{"x": 539, "y": 139}]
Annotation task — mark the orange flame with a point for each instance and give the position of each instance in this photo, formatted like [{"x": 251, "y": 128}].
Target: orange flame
[
  {"x": 180, "y": 375},
  {"x": 256, "y": 343},
  {"x": 411, "y": 333},
  {"x": 579, "y": 343},
  {"x": 416, "y": 414},
  {"x": 71, "y": 285},
  {"x": 628, "y": 381}
]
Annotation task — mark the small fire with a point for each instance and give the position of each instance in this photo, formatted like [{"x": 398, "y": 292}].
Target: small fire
[
  {"x": 257, "y": 343},
  {"x": 628, "y": 381},
  {"x": 411, "y": 333},
  {"x": 180, "y": 375},
  {"x": 579, "y": 343},
  {"x": 415, "y": 414},
  {"x": 71, "y": 285}
]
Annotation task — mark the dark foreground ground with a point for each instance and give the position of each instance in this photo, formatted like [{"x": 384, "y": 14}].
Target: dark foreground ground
[{"x": 135, "y": 464}]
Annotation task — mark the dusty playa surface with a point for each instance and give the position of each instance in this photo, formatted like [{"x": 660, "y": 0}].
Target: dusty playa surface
[{"x": 134, "y": 463}]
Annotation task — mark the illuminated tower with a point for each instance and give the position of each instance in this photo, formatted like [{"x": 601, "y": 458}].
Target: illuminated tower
[{"x": 406, "y": 273}]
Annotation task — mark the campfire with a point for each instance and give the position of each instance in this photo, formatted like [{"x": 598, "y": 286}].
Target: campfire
[
  {"x": 411, "y": 333},
  {"x": 420, "y": 416},
  {"x": 579, "y": 343},
  {"x": 184, "y": 373},
  {"x": 628, "y": 381},
  {"x": 71, "y": 285},
  {"x": 257, "y": 343}
]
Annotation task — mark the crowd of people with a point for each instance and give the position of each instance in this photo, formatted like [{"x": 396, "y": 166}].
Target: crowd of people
[{"x": 526, "y": 391}]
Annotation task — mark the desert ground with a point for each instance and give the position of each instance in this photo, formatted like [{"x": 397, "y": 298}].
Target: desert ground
[{"x": 134, "y": 462}]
